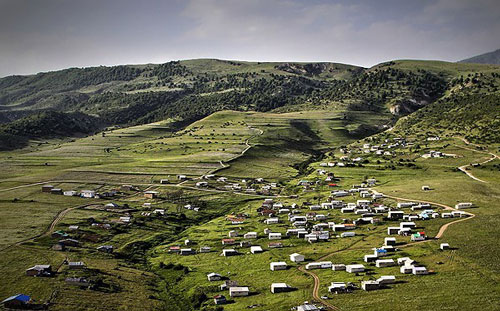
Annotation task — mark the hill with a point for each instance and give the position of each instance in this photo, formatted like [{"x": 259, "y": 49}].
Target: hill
[
  {"x": 486, "y": 58},
  {"x": 46, "y": 124},
  {"x": 190, "y": 90}
]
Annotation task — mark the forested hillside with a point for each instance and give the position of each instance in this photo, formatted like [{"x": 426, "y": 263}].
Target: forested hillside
[{"x": 190, "y": 90}]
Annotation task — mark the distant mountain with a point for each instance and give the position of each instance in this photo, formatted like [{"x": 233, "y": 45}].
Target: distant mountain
[{"x": 486, "y": 58}]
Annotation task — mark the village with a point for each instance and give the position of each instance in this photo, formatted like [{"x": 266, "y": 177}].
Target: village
[{"x": 286, "y": 221}]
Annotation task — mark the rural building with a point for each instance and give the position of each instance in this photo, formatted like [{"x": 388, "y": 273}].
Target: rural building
[
  {"x": 229, "y": 252},
  {"x": 187, "y": 251},
  {"x": 406, "y": 269},
  {"x": 19, "y": 301},
  {"x": 370, "y": 258},
  {"x": 426, "y": 188},
  {"x": 390, "y": 241},
  {"x": 163, "y": 181},
  {"x": 271, "y": 221},
  {"x": 47, "y": 188},
  {"x": 238, "y": 291},
  {"x": 386, "y": 279},
  {"x": 256, "y": 249},
  {"x": 228, "y": 241},
  {"x": 354, "y": 268},
  {"x": 420, "y": 270},
  {"x": 295, "y": 257},
  {"x": 70, "y": 193},
  {"x": 214, "y": 277},
  {"x": 280, "y": 288},
  {"x": 89, "y": 194},
  {"x": 319, "y": 265},
  {"x": 338, "y": 267},
  {"x": 381, "y": 263},
  {"x": 219, "y": 299},
  {"x": 463, "y": 205},
  {"x": 279, "y": 265},
  {"x": 274, "y": 236},
  {"x": 233, "y": 233},
  {"x": 395, "y": 214},
  {"x": 444, "y": 246},
  {"x": 347, "y": 234},
  {"x": 407, "y": 224},
  {"x": 227, "y": 284},
  {"x": 337, "y": 287},
  {"x": 150, "y": 194},
  {"x": 73, "y": 265},
  {"x": 39, "y": 270},
  {"x": 250, "y": 235},
  {"x": 370, "y": 285},
  {"x": 307, "y": 307},
  {"x": 205, "y": 249}
]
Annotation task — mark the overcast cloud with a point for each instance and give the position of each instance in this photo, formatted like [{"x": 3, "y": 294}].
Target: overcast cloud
[{"x": 54, "y": 34}]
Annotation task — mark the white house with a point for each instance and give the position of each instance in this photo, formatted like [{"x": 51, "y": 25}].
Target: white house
[
  {"x": 273, "y": 220},
  {"x": 229, "y": 252},
  {"x": 238, "y": 291},
  {"x": 354, "y": 268},
  {"x": 87, "y": 193},
  {"x": 386, "y": 279},
  {"x": 370, "y": 285},
  {"x": 256, "y": 249},
  {"x": 463, "y": 205},
  {"x": 380, "y": 263},
  {"x": 420, "y": 270},
  {"x": 250, "y": 235},
  {"x": 280, "y": 265},
  {"x": 337, "y": 287},
  {"x": 444, "y": 246},
  {"x": 295, "y": 257},
  {"x": 280, "y": 288},
  {"x": 274, "y": 236},
  {"x": 338, "y": 267},
  {"x": 347, "y": 234},
  {"x": 214, "y": 277},
  {"x": 319, "y": 265}
]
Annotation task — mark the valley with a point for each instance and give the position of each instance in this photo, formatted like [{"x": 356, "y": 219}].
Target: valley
[{"x": 171, "y": 189}]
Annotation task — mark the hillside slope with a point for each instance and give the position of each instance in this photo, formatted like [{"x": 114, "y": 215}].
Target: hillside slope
[
  {"x": 486, "y": 58},
  {"x": 189, "y": 90}
]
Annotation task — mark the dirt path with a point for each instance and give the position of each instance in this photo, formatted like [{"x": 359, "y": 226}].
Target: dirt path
[
  {"x": 463, "y": 168},
  {"x": 59, "y": 216},
  {"x": 25, "y": 186}
]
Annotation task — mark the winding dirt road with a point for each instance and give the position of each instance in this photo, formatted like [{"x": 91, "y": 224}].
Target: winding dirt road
[{"x": 463, "y": 168}]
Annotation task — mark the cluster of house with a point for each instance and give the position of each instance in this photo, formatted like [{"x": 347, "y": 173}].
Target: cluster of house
[
  {"x": 83, "y": 193},
  {"x": 236, "y": 290},
  {"x": 66, "y": 240},
  {"x": 231, "y": 286},
  {"x": 384, "y": 149},
  {"x": 257, "y": 185}
]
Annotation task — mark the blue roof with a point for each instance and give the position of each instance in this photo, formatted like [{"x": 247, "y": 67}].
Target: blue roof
[{"x": 21, "y": 297}]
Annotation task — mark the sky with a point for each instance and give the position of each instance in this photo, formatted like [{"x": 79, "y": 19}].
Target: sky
[{"x": 44, "y": 35}]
